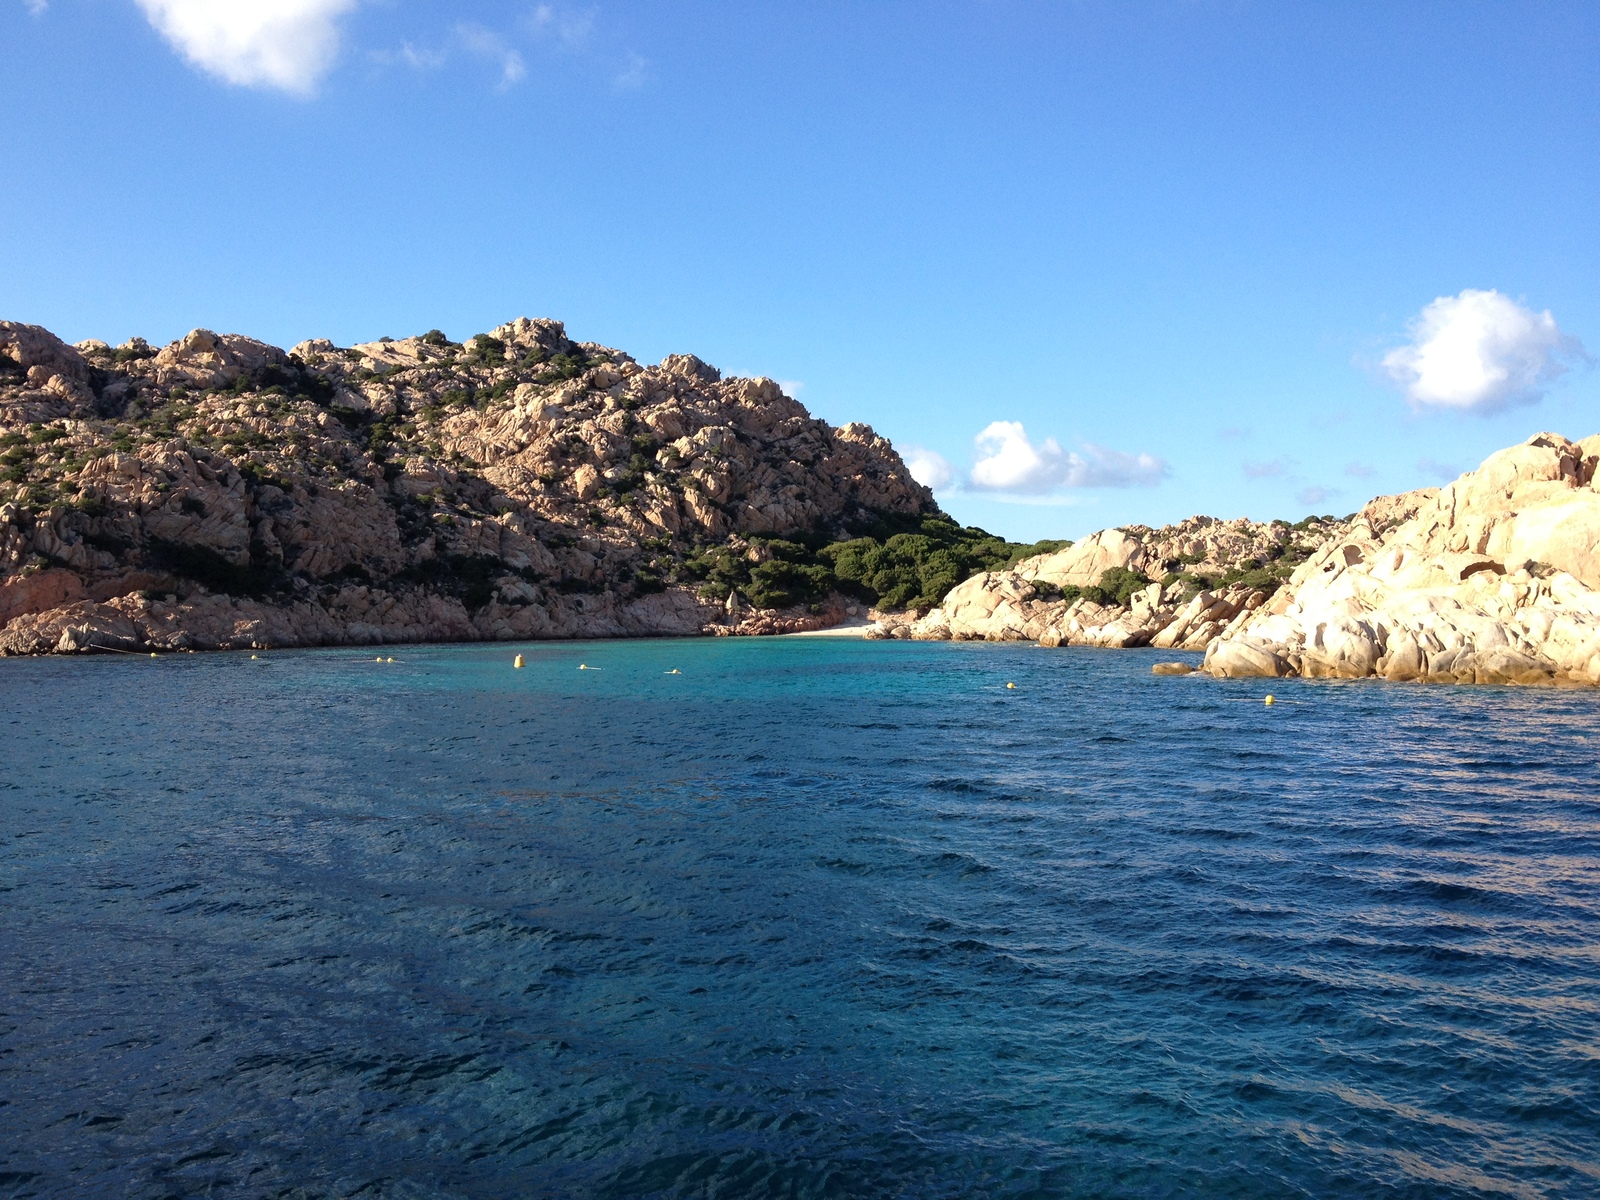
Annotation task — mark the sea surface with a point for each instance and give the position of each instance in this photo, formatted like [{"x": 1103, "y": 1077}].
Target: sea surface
[{"x": 810, "y": 917}]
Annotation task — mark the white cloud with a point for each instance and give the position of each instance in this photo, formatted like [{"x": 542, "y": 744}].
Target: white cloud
[
  {"x": 1315, "y": 495},
  {"x": 284, "y": 44},
  {"x": 1481, "y": 352},
  {"x": 791, "y": 387},
  {"x": 490, "y": 45},
  {"x": 1009, "y": 462},
  {"x": 36, "y": 7},
  {"x": 929, "y": 468},
  {"x": 1358, "y": 470}
]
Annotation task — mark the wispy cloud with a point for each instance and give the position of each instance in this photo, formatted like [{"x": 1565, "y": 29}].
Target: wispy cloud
[
  {"x": 419, "y": 58},
  {"x": 634, "y": 74},
  {"x": 571, "y": 29},
  {"x": 284, "y": 44},
  {"x": 545, "y": 30},
  {"x": 1314, "y": 495},
  {"x": 1434, "y": 469},
  {"x": 1360, "y": 471},
  {"x": 1481, "y": 352},
  {"x": 36, "y": 7},
  {"x": 487, "y": 44},
  {"x": 1265, "y": 470},
  {"x": 1009, "y": 462}
]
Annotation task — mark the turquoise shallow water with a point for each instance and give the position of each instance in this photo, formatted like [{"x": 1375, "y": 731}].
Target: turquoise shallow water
[{"x": 812, "y": 918}]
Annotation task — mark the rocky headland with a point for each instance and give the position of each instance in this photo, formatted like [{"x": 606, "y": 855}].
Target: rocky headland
[
  {"x": 220, "y": 492},
  {"x": 1493, "y": 579},
  {"x": 1178, "y": 587}
]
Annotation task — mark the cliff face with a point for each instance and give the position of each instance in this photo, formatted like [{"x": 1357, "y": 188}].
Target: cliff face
[
  {"x": 221, "y": 492},
  {"x": 1493, "y": 579}
]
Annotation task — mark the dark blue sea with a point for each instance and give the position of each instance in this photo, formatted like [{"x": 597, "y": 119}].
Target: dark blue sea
[{"x": 813, "y": 917}]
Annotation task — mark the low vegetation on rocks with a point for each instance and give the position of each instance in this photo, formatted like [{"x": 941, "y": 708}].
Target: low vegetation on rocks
[{"x": 1179, "y": 586}]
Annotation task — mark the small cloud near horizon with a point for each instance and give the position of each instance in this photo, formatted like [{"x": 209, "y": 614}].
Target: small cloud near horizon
[
  {"x": 1434, "y": 469},
  {"x": 1312, "y": 496},
  {"x": 1266, "y": 470},
  {"x": 1009, "y": 462},
  {"x": 1481, "y": 352},
  {"x": 929, "y": 468}
]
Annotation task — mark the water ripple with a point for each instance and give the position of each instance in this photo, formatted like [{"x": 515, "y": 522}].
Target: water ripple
[{"x": 808, "y": 919}]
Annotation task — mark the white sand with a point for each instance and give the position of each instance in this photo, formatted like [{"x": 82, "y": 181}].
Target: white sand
[{"x": 849, "y": 627}]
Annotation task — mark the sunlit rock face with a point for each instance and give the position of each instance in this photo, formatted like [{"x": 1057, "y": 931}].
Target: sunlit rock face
[
  {"x": 1177, "y": 587},
  {"x": 221, "y": 492},
  {"x": 1493, "y": 579}
]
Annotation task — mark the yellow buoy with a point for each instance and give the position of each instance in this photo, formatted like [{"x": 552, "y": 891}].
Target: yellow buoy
[
  {"x": 583, "y": 666},
  {"x": 378, "y": 659},
  {"x": 674, "y": 671},
  {"x": 152, "y": 654},
  {"x": 1270, "y": 699},
  {"x": 252, "y": 658},
  {"x": 517, "y": 662},
  {"x": 388, "y": 660},
  {"x": 1012, "y": 686}
]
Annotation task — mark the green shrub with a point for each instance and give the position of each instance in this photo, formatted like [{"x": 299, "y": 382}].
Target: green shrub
[
  {"x": 468, "y": 577},
  {"x": 779, "y": 583},
  {"x": 487, "y": 351},
  {"x": 213, "y": 570},
  {"x": 1117, "y": 586},
  {"x": 564, "y": 366}
]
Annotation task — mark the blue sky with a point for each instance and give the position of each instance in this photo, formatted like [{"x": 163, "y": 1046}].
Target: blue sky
[{"x": 1110, "y": 262}]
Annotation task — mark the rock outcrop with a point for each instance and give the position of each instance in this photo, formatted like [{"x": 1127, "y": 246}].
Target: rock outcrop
[
  {"x": 220, "y": 492},
  {"x": 1493, "y": 579},
  {"x": 1209, "y": 576}
]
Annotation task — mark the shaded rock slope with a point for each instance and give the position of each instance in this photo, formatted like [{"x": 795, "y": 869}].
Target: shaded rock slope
[{"x": 220, "y": 492}]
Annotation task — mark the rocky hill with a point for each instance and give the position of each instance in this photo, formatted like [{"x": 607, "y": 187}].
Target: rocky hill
[
  {"x": 1493, "y": 579},
  {"x": 221, "y": 492}
]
